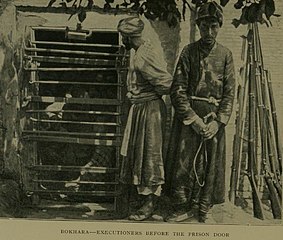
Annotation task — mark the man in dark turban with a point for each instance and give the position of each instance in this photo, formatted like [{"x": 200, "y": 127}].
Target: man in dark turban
[
  {"x": 142, "y": 145},
  {"x": 202, "y": 95}
]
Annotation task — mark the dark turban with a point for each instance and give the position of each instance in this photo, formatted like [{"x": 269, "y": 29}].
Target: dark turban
[
  {"x": 208, "y": 10},
  {"x": 131, "y": 27}
]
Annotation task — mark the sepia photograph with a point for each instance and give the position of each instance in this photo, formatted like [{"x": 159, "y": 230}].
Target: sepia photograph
[{"x": 141, "y": 119}]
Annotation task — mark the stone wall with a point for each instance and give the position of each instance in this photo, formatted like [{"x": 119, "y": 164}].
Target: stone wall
[{"x": 9, "y": 91}]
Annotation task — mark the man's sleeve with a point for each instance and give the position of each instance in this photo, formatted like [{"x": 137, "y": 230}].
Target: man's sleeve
[
  {"x": 179, "y": 93},
  {"x": 226, "y": 104},
  {"x": 153, "y": 68}
]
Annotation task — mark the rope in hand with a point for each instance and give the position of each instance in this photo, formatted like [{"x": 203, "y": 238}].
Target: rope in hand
[{"x": 202, "y": 145}]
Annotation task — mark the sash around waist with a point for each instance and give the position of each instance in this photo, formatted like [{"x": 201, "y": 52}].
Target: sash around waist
[
  {"x": 143, "y": 97},
  {"x": 210, "y": 100}
]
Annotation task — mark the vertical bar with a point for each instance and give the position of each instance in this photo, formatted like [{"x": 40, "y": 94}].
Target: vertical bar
[
  {"x": 121, "y": 203},
  {"x": 118, "y": 121},
  {"x": 32, "y": 155}
]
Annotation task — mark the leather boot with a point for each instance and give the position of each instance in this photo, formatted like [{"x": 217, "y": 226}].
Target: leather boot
[
  {"x": 146, "y": 210},
  {"x": 205, "y": 198}
]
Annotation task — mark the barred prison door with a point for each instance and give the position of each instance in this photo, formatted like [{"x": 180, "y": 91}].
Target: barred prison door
[{"x": 75, "y": 115}]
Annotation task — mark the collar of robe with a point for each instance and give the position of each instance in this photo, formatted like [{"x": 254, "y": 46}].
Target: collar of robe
[{"x": 205, "y": 47}]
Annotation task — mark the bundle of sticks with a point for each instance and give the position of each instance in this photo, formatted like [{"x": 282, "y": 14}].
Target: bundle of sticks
[{"x": 257, "y": 134}]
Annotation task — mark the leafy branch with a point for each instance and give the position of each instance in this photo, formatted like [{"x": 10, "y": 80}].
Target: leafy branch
[
  {"x": 255, "y": 11},
  {"x": 167, "y": 10}
]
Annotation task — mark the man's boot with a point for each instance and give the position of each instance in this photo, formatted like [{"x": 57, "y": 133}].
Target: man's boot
[{"x": 146, "y": 210}]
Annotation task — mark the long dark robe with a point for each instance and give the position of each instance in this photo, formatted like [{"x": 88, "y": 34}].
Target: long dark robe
[
  {"x": 203, "y": 73},
  {"x": 143, "y": 163}
]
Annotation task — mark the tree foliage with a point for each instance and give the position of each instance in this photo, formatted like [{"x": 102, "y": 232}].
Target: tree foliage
[
  {"x": 255, "y": 11},
  {"x": 167, "y": 10}
]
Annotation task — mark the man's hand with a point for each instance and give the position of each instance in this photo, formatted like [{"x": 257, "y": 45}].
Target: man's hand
[
  {"x": 199, "y": 126},
  {"x": 211, "y": 130}
]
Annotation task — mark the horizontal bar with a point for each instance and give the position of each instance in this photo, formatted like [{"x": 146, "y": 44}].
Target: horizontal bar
[
  {"x": 84, "y": 141},
  {"x": 78, "y": 182},
  {"x": 84, "y": 193},
  {"x": 72, "y": 133},
  {"x": 71, "y": 69},
  {"x": 60, "y": 168},
  {"x": 90, "y": 101},
  {"x": 47, "y": 50},
  {"x": 75, "y": 44},
  {"x": 74, "y": 122},
  {"x": 69, "y": 60},
  {"x": 76, "y": 83},
  {"x": 75, "y": 111},
  {"x": 59, "y": 29}
]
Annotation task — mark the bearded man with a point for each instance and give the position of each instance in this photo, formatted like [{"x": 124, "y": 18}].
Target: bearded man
[{"x": 202, "y": 94}]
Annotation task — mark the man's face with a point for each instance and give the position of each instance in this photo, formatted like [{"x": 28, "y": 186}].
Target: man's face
[
  {"x": 209, "y": 28},
  {"x": 127, "y": 42}
]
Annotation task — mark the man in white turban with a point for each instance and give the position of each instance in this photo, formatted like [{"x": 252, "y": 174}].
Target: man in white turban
[{"x": 148, "y": 80}]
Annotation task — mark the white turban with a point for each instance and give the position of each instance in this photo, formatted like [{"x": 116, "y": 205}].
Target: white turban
[{"x": 132, "y": 27}]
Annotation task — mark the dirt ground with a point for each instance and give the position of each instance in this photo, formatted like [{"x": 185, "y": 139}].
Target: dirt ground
[{"x": 226, "y": 213}]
